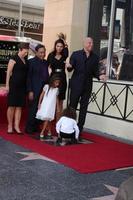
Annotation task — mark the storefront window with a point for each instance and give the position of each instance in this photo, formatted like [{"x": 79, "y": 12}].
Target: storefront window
[{"x": 122, "y": 37}]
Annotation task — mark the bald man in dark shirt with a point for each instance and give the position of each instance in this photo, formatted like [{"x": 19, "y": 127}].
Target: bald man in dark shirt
[{"x": 85, "y": 66}]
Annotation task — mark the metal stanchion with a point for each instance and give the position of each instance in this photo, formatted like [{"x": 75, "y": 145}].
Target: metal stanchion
[
  {"x": 20, "y": 17},
  {"x": 111, "y": 34}
]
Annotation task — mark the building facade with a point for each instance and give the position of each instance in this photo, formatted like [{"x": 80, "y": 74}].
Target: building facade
[
  {"x": 32, "y": 19},
  {"x": 110, "y": 109},
  {"x": 80, "y": 18}
]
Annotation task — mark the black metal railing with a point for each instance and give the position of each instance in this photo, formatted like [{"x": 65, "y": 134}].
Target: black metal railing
[{"x": 112, "y": 99}]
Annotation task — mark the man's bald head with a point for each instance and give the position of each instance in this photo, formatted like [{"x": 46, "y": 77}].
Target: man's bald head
[{"x": 88, "y": 44}]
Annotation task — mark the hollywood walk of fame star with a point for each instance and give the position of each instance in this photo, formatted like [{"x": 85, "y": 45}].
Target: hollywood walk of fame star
[
  {"x": 34, "y": 156},
  {"x": 124, "y": 168},
  {"x": 114, "y": 190}
]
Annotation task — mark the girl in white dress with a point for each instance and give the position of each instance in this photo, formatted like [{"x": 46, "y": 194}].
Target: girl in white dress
[{"x": 47, "y": 103}]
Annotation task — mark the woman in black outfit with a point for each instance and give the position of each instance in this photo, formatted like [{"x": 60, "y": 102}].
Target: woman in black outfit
[
  {"x": 57, "y": 61},
  {"x": 16, "y": 87}
]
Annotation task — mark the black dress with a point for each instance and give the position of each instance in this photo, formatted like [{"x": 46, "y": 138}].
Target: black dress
[
  {"x": 17, "y": 83},
  {"x": 58, "y": 67}
]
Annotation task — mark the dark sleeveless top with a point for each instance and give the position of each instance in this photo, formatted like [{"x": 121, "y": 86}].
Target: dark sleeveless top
[
  {"x": 17, "y": 83},
  {"x": 58, "y": 67}
]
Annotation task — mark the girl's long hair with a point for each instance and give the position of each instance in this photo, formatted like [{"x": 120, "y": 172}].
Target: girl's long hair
[
  {"x": 53, "y": 78},
  {"x": 69, "y": 112}
]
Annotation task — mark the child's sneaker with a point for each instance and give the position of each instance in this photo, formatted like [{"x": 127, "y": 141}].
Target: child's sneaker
[
  {"x": 41, "y": 137},
  {"x": 49, "y": 135}
]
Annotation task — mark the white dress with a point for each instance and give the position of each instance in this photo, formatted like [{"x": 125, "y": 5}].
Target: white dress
[{"x": 48, "y": 105}]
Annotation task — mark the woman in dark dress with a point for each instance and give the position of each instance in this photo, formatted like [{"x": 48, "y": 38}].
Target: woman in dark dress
[
  {"x": 16, "y": 87},
  {"x": 57, "y": 61}
]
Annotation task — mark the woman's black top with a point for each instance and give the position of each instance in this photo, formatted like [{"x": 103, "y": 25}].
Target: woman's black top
[
  {"x": 58, "y": 67},
  {"x": 17, "y": 83}
]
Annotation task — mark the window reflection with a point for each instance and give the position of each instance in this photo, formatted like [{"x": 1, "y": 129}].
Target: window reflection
[{"x": 122, "y": 58}]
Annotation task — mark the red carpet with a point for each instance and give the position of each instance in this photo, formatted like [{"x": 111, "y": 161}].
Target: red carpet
[{"x": 103, "y": 154}]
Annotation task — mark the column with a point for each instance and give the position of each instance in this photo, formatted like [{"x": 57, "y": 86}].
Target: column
[
  {"x": 131, "y": 27},
  {"x": 69, "y": 17}
]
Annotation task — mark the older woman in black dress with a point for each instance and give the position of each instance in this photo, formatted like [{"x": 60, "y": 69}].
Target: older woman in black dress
[
  {"x": 57, "y": 59},
  {"x": 16, "y": 88}
]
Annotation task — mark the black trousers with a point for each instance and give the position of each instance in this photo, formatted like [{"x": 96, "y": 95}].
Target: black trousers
[
  {"x": 82, "y": 97},
  {"x": 65, "y": 135},
  {"x": 32, "y": 123}
]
